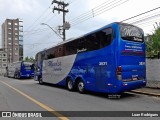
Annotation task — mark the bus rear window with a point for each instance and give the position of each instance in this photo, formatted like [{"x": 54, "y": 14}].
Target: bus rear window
[
  {"x": 28, "y": 66},
  {"x": 131, "y": 33}
]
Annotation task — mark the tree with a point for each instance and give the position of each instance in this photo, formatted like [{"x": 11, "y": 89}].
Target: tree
[
  {"x": 29, "y": 59},
  {"x": 153, "y": 43}
]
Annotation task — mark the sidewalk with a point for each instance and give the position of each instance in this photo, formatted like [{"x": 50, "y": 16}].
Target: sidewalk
[{"x": 148, "y": 91}]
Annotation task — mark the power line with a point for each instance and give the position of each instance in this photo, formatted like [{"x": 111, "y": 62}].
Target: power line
[
  {"x": 97, "y": 11},
  {"x": 145, "y": 19},
  {"x": 90, "y": 11},
  {"x": 140, "y": 14},
  {"x": 38, "y": 18}
]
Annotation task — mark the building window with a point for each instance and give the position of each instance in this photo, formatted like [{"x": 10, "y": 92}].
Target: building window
[
  {"x": 10, "y": 53},
  {"x": 16, "y": 38},
  {"x": 21, "y": 38},
  {"x": 4, "y": 54},
  {"x": 9, "y": 28},
  {"x": 16, "y": 53},
  {"x": 21, "y": 28},
  {"x": 16, "y": 28},
  {"x": 4, "y": 65},
  {"x": 10, "y": 33},
  {"x": 16, "y": 43},
  {"x": 9, "y": 43},
  {"x": 9, "y": 23},
  {"x": 15, "y": 23},
  {"x": 4, "y": 60},
  {"x": 20, "y": 23},
  {"x": 9, "y": 38},
  {"x": 21, "y": 33},
  {"x": 16, "y": 48},
  {"x": 16, "y": 33}
]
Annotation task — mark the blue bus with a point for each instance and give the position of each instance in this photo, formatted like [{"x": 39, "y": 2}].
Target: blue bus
[
  {"x": 110, "y": 60},
  {"x": 20, "y": 69}
]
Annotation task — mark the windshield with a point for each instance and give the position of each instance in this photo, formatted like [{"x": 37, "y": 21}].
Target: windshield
[
  {"x": 131, "y": 33},
  {"x": 28, "y": 65}
]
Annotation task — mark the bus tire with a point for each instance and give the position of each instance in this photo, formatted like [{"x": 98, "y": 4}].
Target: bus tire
[
  {"x": 18, "y": 75},
  {"x": 81, "y": 87},
  {"x": 15, "y": 76},
  {"x": 40, "y": 81},
  {"x": 70, "y": 85}
]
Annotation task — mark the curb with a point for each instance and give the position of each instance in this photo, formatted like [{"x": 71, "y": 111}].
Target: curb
[{"x": 145, "y": 93}]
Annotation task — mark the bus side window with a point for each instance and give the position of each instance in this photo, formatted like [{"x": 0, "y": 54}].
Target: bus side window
[
  {"x": 81, "y": 44},
  {"x": 106, "y": 37},
  {"x": 71, "y": 48},
  {"x": 93, "y": 43},
  {"x": 50, "y": 53}
]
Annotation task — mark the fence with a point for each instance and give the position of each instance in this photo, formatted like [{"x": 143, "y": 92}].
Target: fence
[{"x": 153, "y": 73}]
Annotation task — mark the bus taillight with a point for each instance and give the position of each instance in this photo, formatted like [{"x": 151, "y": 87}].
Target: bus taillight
[{"x": 119, "y": 73}]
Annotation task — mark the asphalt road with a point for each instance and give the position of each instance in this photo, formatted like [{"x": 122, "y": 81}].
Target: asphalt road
[{"x": 28, "y": 95}]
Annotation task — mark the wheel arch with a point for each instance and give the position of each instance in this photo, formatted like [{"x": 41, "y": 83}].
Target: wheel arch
[
  {"x": 79, "y": 79},
  {"x": 68, "y": 78}
]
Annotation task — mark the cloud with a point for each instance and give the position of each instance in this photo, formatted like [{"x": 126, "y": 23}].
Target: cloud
[{"x": 13, "y": 9}]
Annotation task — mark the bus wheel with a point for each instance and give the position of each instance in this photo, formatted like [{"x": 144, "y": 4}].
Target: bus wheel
[
  {"x": 18, "y": 76},
  {"x": 15, "y": 76},
  {"x": 70, "y": 85},
  {"x": 80, "y": 87},
  {"x": 40, "y": 81}
]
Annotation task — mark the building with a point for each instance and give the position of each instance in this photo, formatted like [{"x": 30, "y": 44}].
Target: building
[
  {"x": 12, "y": 39},
  {"x": 3, "y": 61}
]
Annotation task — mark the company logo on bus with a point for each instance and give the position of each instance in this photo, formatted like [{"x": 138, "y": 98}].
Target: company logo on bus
[{"x": 55, "y": 65}]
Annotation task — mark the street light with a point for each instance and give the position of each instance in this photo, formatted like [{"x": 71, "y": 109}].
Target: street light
[{"x": 52, "y": 29}]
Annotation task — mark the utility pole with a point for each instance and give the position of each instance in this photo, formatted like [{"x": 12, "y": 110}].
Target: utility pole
[{"x": 62, "y": 8}]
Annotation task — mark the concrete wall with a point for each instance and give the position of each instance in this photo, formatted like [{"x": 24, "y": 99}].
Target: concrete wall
[{"x": 153, "y": 73}]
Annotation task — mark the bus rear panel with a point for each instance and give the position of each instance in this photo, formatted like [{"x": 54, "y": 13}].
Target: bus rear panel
[
  {"x": 131, "y": 65},
  {"x": 20, "y": 70}
]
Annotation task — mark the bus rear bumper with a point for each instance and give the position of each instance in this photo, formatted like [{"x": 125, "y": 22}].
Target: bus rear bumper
[
  {"x": 27, "y": 75},
  {"x": 128, "y": 86}
]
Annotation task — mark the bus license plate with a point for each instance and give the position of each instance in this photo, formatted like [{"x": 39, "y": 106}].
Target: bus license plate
[{"x": 134, "y": 79}]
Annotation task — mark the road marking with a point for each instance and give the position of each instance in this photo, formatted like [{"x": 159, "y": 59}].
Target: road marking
[{"x": 60, "y": 116}]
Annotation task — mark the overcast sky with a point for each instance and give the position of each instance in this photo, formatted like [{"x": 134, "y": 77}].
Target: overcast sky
[{"x": 34, "y": 12}]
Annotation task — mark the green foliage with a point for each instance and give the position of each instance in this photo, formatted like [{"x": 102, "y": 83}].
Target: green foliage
[
  {"x": 29, "y": 59},
  {"x": 153, "y": 43}
]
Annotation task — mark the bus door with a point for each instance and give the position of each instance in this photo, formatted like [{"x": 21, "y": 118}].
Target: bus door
[{"x": 131, "y": 54}]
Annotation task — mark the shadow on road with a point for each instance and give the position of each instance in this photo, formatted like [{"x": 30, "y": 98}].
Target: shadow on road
[{"x": 96, "y": 94}]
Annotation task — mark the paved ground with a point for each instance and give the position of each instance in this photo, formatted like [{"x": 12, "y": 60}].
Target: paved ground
[{"x": 28, "y": 95}]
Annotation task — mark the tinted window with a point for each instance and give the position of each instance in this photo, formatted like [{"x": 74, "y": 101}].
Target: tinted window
[
  {"x": 82, "y": 46},
  {"x": 50, "y": 54},
  {"x": 28, "y": 65},
  {"x": 106, "y": 37},
  {"x": 99, "y": 40},
  {"x": 91, "y": 42},
  {"x": 131, "y": 33},
  {"x": 71, "y": 47}
]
